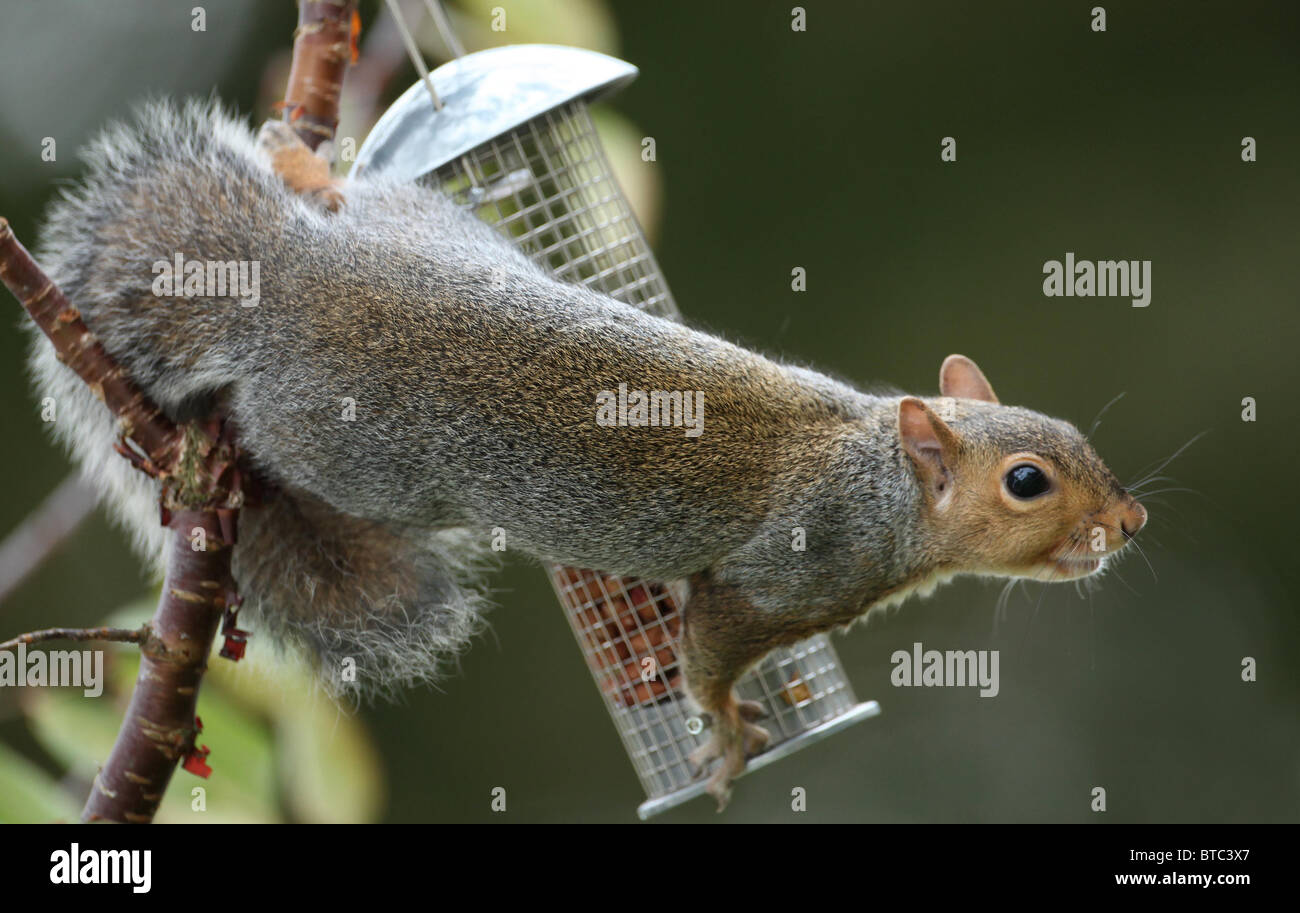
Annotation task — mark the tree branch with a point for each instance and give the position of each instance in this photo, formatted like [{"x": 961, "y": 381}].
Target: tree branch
[
  {"x": 76, "y": 347},
  {"x": 324, "y": 43},
  {"x": 160, "y": 723},
  {"x": 113, "y": 635}
]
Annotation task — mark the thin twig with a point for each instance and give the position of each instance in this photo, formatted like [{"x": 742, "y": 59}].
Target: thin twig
[
  {"x": 43, "y": 531},
  {"x": 160, "y": 724},
  {"x": 113, "y": 635}
]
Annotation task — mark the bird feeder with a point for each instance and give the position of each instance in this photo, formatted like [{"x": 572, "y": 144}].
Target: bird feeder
[{"x": 507, "y": 134}]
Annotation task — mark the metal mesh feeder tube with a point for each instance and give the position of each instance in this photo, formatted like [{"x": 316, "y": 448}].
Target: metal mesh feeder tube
[{"x": 513, "y": 141}]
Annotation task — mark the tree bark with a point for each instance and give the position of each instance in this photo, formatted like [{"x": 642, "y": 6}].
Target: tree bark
[
  {"x": 324, "y": 44},
  {"x": 159, "y": 727}
]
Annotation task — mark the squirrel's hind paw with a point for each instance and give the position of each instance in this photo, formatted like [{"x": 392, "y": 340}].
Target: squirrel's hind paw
[{"x": 733, "y": 740}]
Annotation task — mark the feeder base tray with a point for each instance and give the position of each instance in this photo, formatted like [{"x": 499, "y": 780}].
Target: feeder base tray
[{"x": 863, "y": 711}]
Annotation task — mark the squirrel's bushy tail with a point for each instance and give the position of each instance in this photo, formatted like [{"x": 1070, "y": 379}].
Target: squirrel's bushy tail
[{"x": 374, "y": 606}]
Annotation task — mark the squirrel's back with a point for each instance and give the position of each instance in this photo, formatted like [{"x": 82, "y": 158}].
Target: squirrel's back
[{"x": 409, "y": 381}]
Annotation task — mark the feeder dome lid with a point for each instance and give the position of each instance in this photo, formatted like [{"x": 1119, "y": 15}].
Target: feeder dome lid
[{"x": 484, "y": 95}]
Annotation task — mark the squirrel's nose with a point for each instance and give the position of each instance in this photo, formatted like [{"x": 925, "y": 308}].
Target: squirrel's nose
[{"x": 1133, "y": 519}]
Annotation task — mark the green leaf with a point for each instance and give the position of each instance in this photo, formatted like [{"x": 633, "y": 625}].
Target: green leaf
[
  {"x": 277, "y": 743},
  {"x": 242, "y": 786},
  {"x": 77, "y": 731},
  {"x": 329, "y": 770},
  {"x": 29, "y": 795}
]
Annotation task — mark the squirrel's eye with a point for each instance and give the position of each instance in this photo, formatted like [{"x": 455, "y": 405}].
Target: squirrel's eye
[{"x": 1026, "y": 481}]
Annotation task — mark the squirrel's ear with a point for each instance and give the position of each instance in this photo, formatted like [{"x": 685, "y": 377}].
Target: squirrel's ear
[
  {"x": 930, "y": 443},
  {"x": 960, "y": 376}
]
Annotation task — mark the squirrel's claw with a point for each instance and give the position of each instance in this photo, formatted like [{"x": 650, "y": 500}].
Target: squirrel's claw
[
  {"x": 755, "y": 740},
  {"x": 699, "y": 760},
  {"x": 303, "y": 171},
  {"x": 720, "y": 789},
  {"x": 752, "y": 739},
  {"x": 733, "y": 740},
  {"x": 730, "y": 752}
]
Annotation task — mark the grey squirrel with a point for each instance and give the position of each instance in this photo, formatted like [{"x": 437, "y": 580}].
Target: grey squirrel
[{"x": 473, "y": 380}]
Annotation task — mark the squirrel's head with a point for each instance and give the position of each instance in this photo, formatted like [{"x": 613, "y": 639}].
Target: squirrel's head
[{"x": 1008, "y": 491}]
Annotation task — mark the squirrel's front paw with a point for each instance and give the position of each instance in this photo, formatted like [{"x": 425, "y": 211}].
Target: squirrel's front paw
[
  {"x": 734, "y": 739},
  {"x": 305, "y": 172}
]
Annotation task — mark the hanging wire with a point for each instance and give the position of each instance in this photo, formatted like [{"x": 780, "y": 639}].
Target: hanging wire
[
  {"x": 440, "y": 18},
  {"x": 413, "y": 52}
]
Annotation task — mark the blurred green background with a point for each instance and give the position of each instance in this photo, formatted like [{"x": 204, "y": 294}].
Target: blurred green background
[{"x": 820, "y": 149}]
